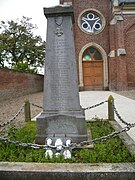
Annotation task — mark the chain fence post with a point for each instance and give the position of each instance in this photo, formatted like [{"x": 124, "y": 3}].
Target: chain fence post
[
  {"x": 27, "y": 111},
  {"x": 110, "y": 108}
]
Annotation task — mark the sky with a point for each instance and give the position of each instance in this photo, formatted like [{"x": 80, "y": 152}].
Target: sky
[{"x": 13, "y": 9}]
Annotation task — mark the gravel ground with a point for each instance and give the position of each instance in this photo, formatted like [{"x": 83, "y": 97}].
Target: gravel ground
[
  {"x": 130, "y": 94},
  {"x": 10, "y": 107}
]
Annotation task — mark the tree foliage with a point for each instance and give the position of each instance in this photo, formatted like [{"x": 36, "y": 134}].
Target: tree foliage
[{"x": 19, "y": 47}]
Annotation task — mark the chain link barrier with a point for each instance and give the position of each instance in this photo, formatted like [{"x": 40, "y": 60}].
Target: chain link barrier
[
  {"x": 103, "y": 138},
  {"x": 17, "y": 114},
  {"x": 93, "y": 106},
  {"x": 96, "y": 105},
  {"x": 88, "y": 108},
  {"x": 121, "y": 119},
  {"x": 72, "y": 145},
  {"x": 14, "y": 117},
  {"x": 36, "y": 105},
  {"x": 30, "y": 145}
]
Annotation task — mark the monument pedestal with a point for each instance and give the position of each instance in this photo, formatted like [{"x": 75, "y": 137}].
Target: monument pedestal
[
  {"x": 61, "y": 126},
  {"x": 62, "y": 117}
]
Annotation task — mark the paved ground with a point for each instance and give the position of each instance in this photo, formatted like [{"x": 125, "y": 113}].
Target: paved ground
[{"x": 124, "y": 105}]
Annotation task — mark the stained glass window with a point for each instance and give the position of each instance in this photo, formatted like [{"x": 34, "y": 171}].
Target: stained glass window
[
  {"x": 92, "y": 50},
  {"x": 91, "y": 22},
  {"x": 92, "y": 54}
]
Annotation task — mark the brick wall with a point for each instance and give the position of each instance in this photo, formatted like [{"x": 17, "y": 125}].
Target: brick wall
[
  {"x": 102, "y": 38},
  {"x": 81, "y": 38},
  {"x": 14, "y": 83},
  {"x": 129, "y": 24},
  {"x": 120, "y": 35},
  {"x": 122, "y": 67}
]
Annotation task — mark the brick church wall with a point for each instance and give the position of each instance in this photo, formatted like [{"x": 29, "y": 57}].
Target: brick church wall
[
  {"x": 122, "y": 68},
  {"x": 81, "y": 38},
  {"x": 101, "y": 38},
  {"x": 14, "y": 83},
  {"x": 129, "y": 27},
  {"x": 116, "y": 36}
]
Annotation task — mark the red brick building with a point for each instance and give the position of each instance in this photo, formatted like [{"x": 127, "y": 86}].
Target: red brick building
[{"x": 104, "y": 34}]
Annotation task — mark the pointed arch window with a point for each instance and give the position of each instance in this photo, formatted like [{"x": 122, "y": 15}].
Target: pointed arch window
[{"x": 92, "y": 54}]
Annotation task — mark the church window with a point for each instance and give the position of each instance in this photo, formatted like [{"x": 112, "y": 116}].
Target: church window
[
  {"x": 91, "y": 21},
  {"x": 92, "y": 54}
]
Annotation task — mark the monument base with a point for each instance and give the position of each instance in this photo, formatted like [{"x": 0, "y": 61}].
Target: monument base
[{"x": 61, "y": 126}]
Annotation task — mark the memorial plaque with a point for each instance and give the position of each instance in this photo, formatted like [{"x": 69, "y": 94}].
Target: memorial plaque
[{"x": 62, "y": 114}]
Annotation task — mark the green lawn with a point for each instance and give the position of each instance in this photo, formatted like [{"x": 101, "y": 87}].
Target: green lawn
[{"x": 109, "y": 151}]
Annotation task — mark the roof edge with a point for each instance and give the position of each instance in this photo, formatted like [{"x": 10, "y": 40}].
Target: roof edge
[{"x": 126, "y": 2}]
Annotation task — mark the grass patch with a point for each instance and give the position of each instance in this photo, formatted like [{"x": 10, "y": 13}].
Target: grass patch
[
  {"x": 109, "y": 151},
  {"x": 25, "y": 134}
]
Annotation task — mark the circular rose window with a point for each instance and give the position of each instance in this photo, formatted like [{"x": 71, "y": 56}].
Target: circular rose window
[{"x": 91, "y": 21}]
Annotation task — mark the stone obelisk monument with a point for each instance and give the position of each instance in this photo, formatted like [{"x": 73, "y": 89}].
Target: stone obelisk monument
[{"x": 62, "y": 116}]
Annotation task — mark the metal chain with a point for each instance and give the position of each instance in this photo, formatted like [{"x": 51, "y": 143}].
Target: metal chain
[
  {"x": 30, "y": 145},
  {"x": 103, "y": 138},
  {"x": 120, "y": 118},
  {"x": 96, "y": 105},
  {"x": 72, "y": 145},
  {"x": 15, "y": 116},
  {"x": 17, "y": 143},
  {"x": 36, "y": 105}
]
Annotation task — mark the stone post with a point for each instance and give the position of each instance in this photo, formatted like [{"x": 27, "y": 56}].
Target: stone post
[
  {"x": 27, "y": 111},
  {"x": 62, "y": 117},
  {"x": 110, "y": 108}
]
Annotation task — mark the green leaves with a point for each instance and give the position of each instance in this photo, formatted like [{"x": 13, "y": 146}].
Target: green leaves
[
  {"x": 19, "y": 46},
  {"x": 24, "y": 66},
  {"x": 109, "y": 151},
  {"x": 25, "y": 134}
]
